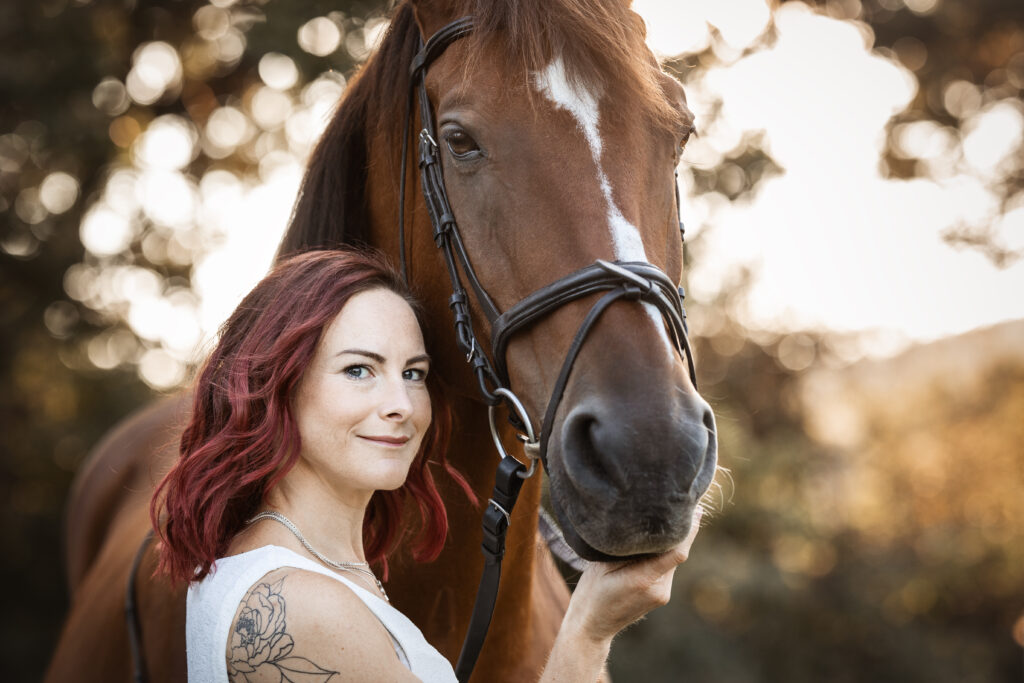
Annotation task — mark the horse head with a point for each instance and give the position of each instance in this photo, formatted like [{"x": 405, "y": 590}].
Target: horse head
[{"x": 559, "y": 134}]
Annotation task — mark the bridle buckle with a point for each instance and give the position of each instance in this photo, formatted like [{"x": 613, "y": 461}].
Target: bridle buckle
[
  {"x": 425, "y": 136},
  {"x": 529, "y": 439}
]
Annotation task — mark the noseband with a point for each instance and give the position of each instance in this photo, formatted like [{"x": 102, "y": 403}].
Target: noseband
[{"x": 636, "y": 281}]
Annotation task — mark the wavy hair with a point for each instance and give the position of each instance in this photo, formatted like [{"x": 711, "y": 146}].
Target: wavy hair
[{"x": 242, "y": 437}]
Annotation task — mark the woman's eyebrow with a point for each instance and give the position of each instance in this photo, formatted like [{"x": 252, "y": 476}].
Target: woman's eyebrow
[
  {"x": 422, "y": 358},
  {"x": 362, "y": 352}
]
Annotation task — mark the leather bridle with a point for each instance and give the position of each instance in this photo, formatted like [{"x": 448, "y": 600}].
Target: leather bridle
[{"x": 635, "y": 281}]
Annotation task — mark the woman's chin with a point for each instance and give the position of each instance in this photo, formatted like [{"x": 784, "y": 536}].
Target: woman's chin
[{"x": 393, "y": 480}]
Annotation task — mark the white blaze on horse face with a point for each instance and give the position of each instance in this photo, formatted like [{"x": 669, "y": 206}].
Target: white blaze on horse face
[{"x": 554, "y": 84}]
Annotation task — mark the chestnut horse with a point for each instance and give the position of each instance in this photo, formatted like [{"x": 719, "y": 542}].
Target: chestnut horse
[{"x": 558, "y": 135}]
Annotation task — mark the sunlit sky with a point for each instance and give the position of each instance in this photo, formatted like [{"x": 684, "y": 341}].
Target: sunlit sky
[{"x": 832, "y": 244}]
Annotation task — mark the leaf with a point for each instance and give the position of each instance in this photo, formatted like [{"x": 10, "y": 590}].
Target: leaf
[{"x": 301, "y": 670}]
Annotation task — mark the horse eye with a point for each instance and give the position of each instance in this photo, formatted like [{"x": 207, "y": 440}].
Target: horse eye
[
  {"x": 460, "y": 144},
  {"x": 681, "y": 144}
]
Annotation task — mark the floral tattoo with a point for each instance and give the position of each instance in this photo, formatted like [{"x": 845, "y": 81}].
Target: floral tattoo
[{"x": 261, "y": 646}]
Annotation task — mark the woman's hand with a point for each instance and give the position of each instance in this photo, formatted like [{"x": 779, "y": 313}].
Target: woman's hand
[
  {"x": 612, "y": 595},
  {"x": 609, "y": 597}
]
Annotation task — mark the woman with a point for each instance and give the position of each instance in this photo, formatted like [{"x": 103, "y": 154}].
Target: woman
[{"x": 314, "y": 420}]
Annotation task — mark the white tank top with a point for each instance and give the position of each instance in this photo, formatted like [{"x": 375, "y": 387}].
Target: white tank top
[{"x": 212, "y": 603}]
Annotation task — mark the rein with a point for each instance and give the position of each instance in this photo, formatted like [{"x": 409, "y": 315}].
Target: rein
[
  {"x": 636, "y": 281},
  {"x": 131, "y": 615}
]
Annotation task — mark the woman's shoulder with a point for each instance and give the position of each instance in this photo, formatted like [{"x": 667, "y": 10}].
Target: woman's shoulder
[{"x": 297, "y": 620}]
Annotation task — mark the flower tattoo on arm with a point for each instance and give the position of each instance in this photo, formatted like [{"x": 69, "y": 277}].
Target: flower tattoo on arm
[{"x": 261, "y": 646}]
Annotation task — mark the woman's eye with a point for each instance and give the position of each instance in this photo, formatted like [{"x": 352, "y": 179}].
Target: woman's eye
[
  {"x": 415, "y": 374},
  {"x": 461, "y": 144},
  {"x": 357, "y": 371}
]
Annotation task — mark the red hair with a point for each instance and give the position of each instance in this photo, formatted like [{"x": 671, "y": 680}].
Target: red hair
[{"x": 242, "y": 437}]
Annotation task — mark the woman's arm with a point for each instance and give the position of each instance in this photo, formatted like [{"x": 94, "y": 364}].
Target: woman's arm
[
  {"x": 610, "y": 597},
  {"x": 293, "y": 621}
]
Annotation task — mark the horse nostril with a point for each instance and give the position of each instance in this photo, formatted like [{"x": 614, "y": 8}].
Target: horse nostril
[
  {"x": 708, "y": 418},
  {"x": 587, "y": 457}
]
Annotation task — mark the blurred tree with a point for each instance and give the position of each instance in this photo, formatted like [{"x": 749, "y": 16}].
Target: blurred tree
[
  {"x": 896, "y": 557},
  {"x": 67, "y": 120},
  {"x": 53, "y": 144},
  {"x": 968, "y": 58}
]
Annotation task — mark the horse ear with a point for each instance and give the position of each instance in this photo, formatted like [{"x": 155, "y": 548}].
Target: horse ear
[{"x": 432, "y": 15}]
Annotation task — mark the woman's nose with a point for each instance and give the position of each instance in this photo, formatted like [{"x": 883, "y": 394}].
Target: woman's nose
[{"x": 396, "y": 401}]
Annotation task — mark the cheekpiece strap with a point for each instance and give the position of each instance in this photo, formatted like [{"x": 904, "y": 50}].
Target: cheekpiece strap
[{"x": 437, "y": 44}]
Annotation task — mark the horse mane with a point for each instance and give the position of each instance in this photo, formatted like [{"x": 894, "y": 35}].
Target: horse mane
[
  {"x": 331, "y": 208},
  {"x": 601, "y": 43}
]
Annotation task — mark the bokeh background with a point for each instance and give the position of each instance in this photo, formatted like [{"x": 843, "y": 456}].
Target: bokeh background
[{"x": 855, "y": 212}]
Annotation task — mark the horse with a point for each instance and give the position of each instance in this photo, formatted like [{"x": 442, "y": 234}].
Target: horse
[{"x": 558, "y": 134}]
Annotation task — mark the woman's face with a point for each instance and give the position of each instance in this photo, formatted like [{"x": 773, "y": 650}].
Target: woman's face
[{"x": 362, "y": 406}]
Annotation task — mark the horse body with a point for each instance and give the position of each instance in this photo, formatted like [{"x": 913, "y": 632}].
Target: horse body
[
  {"x": 108, "y": 517},
  {"x": 549, "y": 166}
]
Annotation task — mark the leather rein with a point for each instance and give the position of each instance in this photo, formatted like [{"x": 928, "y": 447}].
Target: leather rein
[{"x": 636, "y": 281}]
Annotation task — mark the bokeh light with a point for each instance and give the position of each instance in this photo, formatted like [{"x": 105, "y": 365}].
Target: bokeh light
[
  {"x": 362, "y": 41},
  {"x": 111, "y": 97},
  {"x": 226, "y": 128},
  {"x": 230, "y": 47},
  {"x": 58, "y": 192},
  {"x": 167, "y": 144},
  {"x": 828, "y": 193},
  {"x": 278, "y": 71},
  {"x": 992, "y": 136},
  {"x": 319, "y": 36},
  {"x": 29, "y": 207},
  {"x": 161, "y": 370},
  {"x": 270, "y": 108},
  {"x": 106, "y": 232},
  {"x": 156, "y": 69},
  {"x": 168, "y": 198},
  {"x": 212, "y": 22}
]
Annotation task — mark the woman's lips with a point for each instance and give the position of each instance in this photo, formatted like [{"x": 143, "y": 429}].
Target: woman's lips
[{"x": 387, "y": 440}]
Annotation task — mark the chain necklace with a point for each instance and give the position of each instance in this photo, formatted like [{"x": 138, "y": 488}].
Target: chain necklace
[{"x": 362, "y": 568}]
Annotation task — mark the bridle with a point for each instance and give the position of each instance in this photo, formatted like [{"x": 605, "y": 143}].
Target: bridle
[{"x": 636, "y": 281}]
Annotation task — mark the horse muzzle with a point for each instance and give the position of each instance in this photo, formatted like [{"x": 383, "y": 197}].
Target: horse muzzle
[{"x": 626, "y": 474}]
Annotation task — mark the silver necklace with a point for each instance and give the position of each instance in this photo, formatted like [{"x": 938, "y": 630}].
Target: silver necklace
[{"x": 362, "y": 568}]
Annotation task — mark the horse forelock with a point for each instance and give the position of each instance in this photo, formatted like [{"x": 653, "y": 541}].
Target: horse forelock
[{"x": 601, "y": 45}]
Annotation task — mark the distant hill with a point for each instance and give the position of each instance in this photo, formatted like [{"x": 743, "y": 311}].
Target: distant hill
[{"x": 837, "y": 403}]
